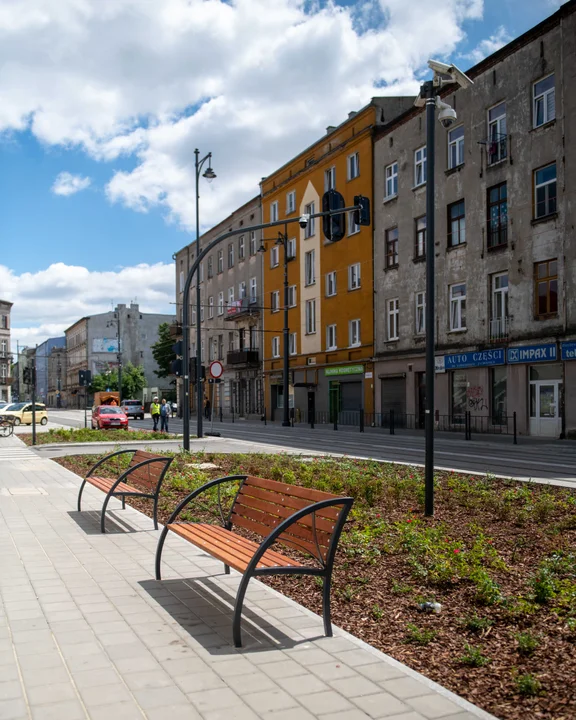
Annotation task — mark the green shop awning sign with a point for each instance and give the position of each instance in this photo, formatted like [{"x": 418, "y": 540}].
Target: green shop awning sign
[{"x": 344, "y": 370}]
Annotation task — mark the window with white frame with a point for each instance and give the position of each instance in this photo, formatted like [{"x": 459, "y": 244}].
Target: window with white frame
[
  {"x": 290, "y": 202},
  {"x": 456, "y": 147},
  {"x": 253, "y": 242},
  {"x": 274, "y": 211},
  {"x": 241, "y": 248},
  {"x": 420, "y": 313},
  {"x": 544, "y": 101},
  {"x": 353, "y": 166},
  {"x": 310, "y": 268},
  {"x": 276, "y": 346},
  {"x": 293, "y": 344},
  {"x": 420, "y": 166},
  {"x": 291, "y": 249},
  {"x": 391, "y": 179},
  {"x": 352, "y": 227},
  {"x": 292, "y": 296},
  {"x": 201, "y": 313},
  {"x": 220, "y": 261},
  {"x": 253, "y": 290},
  {"x": 202, "y": 351},
  {"x": 497, "y": 149},
  {"x": 220, "y": 303},
  {"x": 458, "y": 306},
  {"x": 310, "y": 228},
  {"x": 545, "y": 191},
  {"x": 354, "y": 333},
  {"x": 193, "y": 316},
  {"x": 275, "y": 301},
  {"x": 210, "y": 307},
  {"x": 230, "y": 297},
  {"x": 212, "y": 350},
  {"x": 201, "y": 272},
  {"x": 274, "y": 256},
  {"x": 231, "y": 255},
  {"x": 330, "y": 179},
  {"x": 331, "y": 337},
  {"x": 210, "y": 263},
  {"x": 354, "y": 276},
  {"x": 330, "y": 284},
  {"x": 242, "y": 290},
  {"x": 392, "y": 317},
  {"x": 181, "y": 280},
  {"x": 310, "y": 317}
]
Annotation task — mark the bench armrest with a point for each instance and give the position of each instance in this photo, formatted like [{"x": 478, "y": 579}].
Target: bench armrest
[
  {"x": 206, "y": 486},
  {"x": 103, "y": 460}
]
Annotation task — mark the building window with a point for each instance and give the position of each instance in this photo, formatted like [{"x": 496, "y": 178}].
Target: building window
[
  {"x": 458, "y": 307},
  {"x": 212, "y": 349},
  {"x": 310, "y": 317},
  {"x": 220, "y": 261},
  {"x": 290, "y": 202},
  {"x": 331, "y": 337},
  {"x": 193, "y": 316},
  {"x": 546, "y": 285},
  {"x": 210, "y": 265},
  {"x": 201, "y": 313},
  {"x": 420, "y": 166},
  {"x": 241, "y": 248},
  {"x": 291, "y": 249},
  {"x": 544, "y": 108},
  {"x": 497, "y": 149},
  {"x": 497, "y": 215},
  {"x": 201, "y": 271},
  {"x": 242, "y": 290},
  {"x": 220, "y": 303},
  {"x": 392, "y": 247},
  {"x": 391, "y": 180},
  {"x": 353, "y": 166},
  {"x": 420, "y": 237},
  {"x": 420, "y": 313},
  {"x": 459, "y": 388},
  {"x": 253, "y": 243},
  {"x": 354, "y": 276},
  {"x": 253, "y": 290},
  {"x": 220, "y": 347},
  {"x": 330, "y": 284},
  {"x": 309, "y": 268},
  {"x": 499, "y": 309},
  {"x": 230, "y": 297},
  {"x": 330, "y": 179},
  {"x": 275, "y": 301},
  {"x": 456, "y": 224},
  {"x": 311, "y": 225},
  {"x": 274, "y": 211},
  {"x": 545, "y": 191},
  {"x": 276, "y": 346},
  {"x": 202, "y": 356},
  {"x": 293, "y": 344},
  {"x": 181, "y": 290},
  {"x": 274, "y": 256},
  {"x": 354, "y": 333},
  {"x": 292, "y": 296},
  {"x": 210, "y": 307},
  {"x": 231, "y": 342},
  {"x": 456, "y": 147},
  {"x": 352, "y": 227},
  {"x": 392, "y": 317},
  {"x": 230, "y": 255},
  {"x": 498, "y": 396}
]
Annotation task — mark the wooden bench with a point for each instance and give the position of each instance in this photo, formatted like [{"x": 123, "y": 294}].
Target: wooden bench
[
  {"x": 144, "y": 477},
  {"x": 299, "y": 518}
]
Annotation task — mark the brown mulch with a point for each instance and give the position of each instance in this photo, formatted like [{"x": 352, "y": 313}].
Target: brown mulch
[{"x": 376, "y": 594}]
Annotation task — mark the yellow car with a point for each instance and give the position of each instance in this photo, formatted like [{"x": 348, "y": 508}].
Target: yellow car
[{"x": 22, "y": 413}]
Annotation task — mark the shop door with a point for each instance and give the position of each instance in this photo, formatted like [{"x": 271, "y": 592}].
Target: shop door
[
  {"x": 545, "y": 408},
  {"x": 351, "y": 394}
]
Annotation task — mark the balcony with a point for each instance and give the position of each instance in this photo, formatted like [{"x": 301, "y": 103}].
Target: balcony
[
  {"x": 496, "y": 148},
  {"x": 499, "y": 328},
  {"x": 240, "y": 308},
  {"x": 242, "y": 357}
]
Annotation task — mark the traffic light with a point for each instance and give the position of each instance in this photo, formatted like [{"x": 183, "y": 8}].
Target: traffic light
[
  {"x": 178, "y": 348},
  {"x": 176, "y": 367},
  {"x": 334, "y": 226},
  {"x": 26, "y": 376},
  {"x": 84, "y": 378},
  {"x": 193, "y": 371},
  {"x": 362, "y": 216}
]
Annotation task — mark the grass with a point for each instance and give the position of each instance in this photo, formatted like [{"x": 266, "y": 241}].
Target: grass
[{"x": 82, "y": 435}]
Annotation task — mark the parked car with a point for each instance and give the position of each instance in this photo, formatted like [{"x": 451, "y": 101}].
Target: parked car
[
  {"x": 3, "y": 404},
  {"x": 22, "y": 413},
  {"x": 108, "y": 416},
  {"x": 133, "y": 408}
]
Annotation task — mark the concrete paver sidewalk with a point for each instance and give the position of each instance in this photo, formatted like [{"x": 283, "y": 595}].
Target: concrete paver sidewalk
[{"x": 85, "y": 631}]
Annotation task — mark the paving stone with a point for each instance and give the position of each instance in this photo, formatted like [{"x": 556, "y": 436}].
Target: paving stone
[
  {"x": 95, "y": 678},
  {"x": 302, "y": 685},
  {"x": 405, "y": 687},
  {"x": 380, "y": 705},
  {"x": 217, "y": 699},
  {"x": 255, "y": 682},
  {"x": 54, "y": 692},
  {"x": 105, "y": 694},
  {"x": 327, "y": 701},
  {"x": 270, "y": 700},
  {"x": 355, "y": 685},
  {"x": 150, "y": 698},
  {"x": 8, "y": 672},
  {"x": 178, "y": 712},
  {"x": 333, "y": 671},
  {"x": 195, "y": 682},
  {"x": 70, "y": 710},
  {"x": 380, "y": 671},
  {"x": 11, "y": 690},
  {"x": 283, "y": 669},
  {"x": 149, "y": 679},
  {"x": 239, "y": 712},
  {"x": 14, "y": 710},
  {"x": 355, "y": 714},
  {"x": 434, "y": 706},
  {"x": 118, "y": 711},
  {"x": 298, "y": 713}
]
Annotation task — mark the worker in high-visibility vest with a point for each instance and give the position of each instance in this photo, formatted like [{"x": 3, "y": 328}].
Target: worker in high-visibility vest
[{"x": 155, "y": 412}]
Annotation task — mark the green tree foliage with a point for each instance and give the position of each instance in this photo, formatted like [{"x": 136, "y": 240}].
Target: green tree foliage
[
  {"x": 133, "y": 381},
  {"x": 162, "y": 350}
]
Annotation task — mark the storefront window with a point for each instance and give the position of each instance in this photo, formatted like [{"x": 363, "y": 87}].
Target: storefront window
[
  {"x": 459, "y": 385},
  {"x": 280, "y": 398},
  {"x": 546, "y": 372},
  {"x": 498, "y": 397}
]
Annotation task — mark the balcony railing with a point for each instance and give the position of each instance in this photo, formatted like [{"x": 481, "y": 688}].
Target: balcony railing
[
  {"x": 497, "y": 235},
  {"x": 499, "y": 328},
  {"x": 242, "y": 357},
  {"x": 497, "y": 148},
  {"x": 245, "y": 306}
]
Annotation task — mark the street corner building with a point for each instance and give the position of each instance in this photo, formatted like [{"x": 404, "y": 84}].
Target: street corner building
[
  {"x": 504, "y": 243},
  {"x": 5, "y": 356}
]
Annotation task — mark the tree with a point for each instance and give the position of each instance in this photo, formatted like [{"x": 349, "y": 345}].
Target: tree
[
  {"x": 133, "y": 381},
  {"x": 162, "y": 351}
]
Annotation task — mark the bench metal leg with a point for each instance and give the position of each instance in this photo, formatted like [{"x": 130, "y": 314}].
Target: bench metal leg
[
  {"x": 326, "y": 604},
  {"x": 123, "y": 502},
  {"x": 159, "y": 552},
  {"x": 226, "y": 569},
  {"x": 80, "y": 495},
  {"x": 237, "y": 620},
  {"x": 156, "y": 512},
  {"x": 103, "y": 515}
]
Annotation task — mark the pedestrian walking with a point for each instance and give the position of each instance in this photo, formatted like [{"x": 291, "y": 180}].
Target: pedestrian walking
[
  {"x": 164, "y": 415},
  {"x": 207, "y": 408},
  {"x": 155, "y": 412}
]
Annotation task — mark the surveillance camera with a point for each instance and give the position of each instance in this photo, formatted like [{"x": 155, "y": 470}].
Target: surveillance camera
[
  {"x": 454, "y": 74},
  {"x": 304, "y": 220},
  {"x": 447, "y": 117}
]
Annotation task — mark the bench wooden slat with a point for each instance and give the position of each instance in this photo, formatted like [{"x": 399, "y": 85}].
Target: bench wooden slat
[
  {"x": 283, "y": 512},
  {"x": 289, "y": 490},
  {"x": 104, "y": 484},
  {"x": 242, "y": 541},
  {"x": 288, "y": 501}
]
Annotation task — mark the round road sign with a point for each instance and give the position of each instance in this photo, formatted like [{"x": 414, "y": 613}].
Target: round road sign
[{"x": 216, "y": 369}]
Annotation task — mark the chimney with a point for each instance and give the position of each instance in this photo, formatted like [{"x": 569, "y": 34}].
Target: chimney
[{"x": 330, "y": 129}]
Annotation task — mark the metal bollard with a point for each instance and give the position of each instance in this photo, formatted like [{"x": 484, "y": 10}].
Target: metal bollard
[
  {"x": 312, "y": 421},
  {"x": 391, "y": 422},
  {"x": 514, "y": 422},
  {"x": 335, "y": 421},
  {"x": 361, "y": 419}
]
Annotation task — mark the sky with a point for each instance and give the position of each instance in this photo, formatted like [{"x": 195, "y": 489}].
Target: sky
[{"x": 104, "y": 101}]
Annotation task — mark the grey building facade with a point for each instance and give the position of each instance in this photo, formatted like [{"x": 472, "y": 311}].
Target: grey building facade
[
  {"x": 5, "y": 356},
  {"x": 231, "y": 318},
  {"x": 505, "y": 245},
  {"x": 44, "y": 360}
]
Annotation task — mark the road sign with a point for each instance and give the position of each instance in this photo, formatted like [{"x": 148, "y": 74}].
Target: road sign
[{"x": 216, "y": 369}]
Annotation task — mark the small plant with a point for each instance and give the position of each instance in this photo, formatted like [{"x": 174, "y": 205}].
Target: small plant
[
  {"x": 348, "y": 593},
  {"x": 527, "y": 643},
  {"x": 477, "y": 624},
  {"x": 399, "y": 588},
  {"x": 487, "y": 590},
  {"x": 377, "y": 612},
  {"x": 528, "y": 685},
  {"x": 473, "y": 657},
  {"x": 543, "y": 586},
  {"x": 419, "y": 636}
]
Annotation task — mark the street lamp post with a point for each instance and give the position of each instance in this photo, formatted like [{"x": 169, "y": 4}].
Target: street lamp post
[{"x": 116, "y": 321}]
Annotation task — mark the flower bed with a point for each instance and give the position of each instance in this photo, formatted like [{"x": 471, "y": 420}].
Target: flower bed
[
  {"x": 82, "y": 435},
  {"x": 499, "y": 556}
]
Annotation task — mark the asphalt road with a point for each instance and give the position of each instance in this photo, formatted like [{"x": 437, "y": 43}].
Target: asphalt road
[{"x": 532, "y": 458}]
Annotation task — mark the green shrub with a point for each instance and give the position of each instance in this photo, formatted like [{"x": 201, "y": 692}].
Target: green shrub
[
  {"x": 528, "y": 685},
  {"x": 527, "y": 643},
  {"x": 477, "y": 624},
  {"x": 419, "y": 636},
  {"x": 473, "y": 657}
]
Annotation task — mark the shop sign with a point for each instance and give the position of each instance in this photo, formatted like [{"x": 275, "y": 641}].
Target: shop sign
[
  {"x": 439, "y": 364},
  {"x": 568, "y": 351},
  {"x": 344, "y": 370},
  {"x": 368, "y": 376},
  {"x": 532, "y": 353},
  {"x": 480, "y": 358}
]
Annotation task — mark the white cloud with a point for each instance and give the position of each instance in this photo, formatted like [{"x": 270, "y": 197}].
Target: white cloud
[
  {"x": 254, "y": 81},
  {"x": 68, "y": 184},
  {"x": 489, "y": 45},
  {"x": 48, "y": 301}
]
